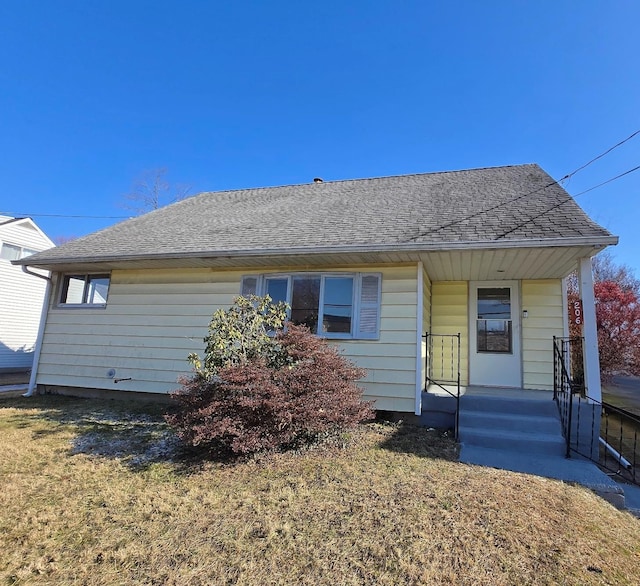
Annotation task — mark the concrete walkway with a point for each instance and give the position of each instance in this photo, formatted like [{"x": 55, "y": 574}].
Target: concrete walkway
[
  {"x": 523, "y": 434},
  {"x": 13, "y": 390}
]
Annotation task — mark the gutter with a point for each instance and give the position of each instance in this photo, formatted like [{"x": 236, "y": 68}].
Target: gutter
[
  {"x": 595, "y": 241},
  {"x": 43, "y": 320}
]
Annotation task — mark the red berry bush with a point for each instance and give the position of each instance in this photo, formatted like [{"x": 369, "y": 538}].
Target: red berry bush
[{"x": 261, "y": 404}]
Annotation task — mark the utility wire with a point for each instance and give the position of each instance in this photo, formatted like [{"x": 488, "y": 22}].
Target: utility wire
[
  {"x": 513, "y": 200},
  {"x": 485, "y": 211},
  {"x": 65, "y": 216},
  {"x": 608, "y": 181},
  {"x": 566, "y": 200},
  {"x": 471, "y": 216},
  {"x": 615, "y": 146}
]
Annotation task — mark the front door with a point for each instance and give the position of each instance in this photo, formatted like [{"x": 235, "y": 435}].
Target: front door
[{"x": 494, "y": 334}]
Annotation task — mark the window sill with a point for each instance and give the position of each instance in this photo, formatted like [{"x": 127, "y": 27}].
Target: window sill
[{"x": 81, "y": 306}]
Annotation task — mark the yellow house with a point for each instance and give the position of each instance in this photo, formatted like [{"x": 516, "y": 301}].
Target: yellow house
[{"x": 370, "y": 264}]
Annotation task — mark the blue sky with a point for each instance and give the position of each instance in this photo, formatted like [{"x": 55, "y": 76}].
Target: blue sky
[{"x": 229, "y": 95}]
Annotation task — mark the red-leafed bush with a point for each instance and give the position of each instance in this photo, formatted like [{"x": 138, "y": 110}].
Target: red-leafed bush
[{"x": 258, "y": 404}]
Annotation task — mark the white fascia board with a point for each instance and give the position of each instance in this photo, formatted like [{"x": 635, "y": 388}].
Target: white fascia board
[
  {"x": 597, "y": 242},
  {"x": 35, "y": 226}
]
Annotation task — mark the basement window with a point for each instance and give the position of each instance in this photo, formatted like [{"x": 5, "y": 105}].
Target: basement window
[{"x": 84, "y": 290}]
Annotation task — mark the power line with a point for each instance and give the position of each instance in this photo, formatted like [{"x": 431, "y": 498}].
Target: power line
[
  {"x": 615, "y": 146},
  {"x": 452, "y": 223},
  {"x": 608, "y": 181},
  {"x": 15, "y": 215},
  {"x": 566, "y": 200},
  {"x": 513, "y": 200},
  {"x": 485, "y": 211}
]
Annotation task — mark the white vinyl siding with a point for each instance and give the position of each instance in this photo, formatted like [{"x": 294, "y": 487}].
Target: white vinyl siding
[
  {"x": 544, "y": 305},
  {"x": 21, "y": 297},
  {"x": 155, "y": 318}
]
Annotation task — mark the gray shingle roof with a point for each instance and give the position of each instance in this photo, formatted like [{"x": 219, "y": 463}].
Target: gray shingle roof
[{"x": 497, "y": 204}]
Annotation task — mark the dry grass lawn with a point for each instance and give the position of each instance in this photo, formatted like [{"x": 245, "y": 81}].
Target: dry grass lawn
[{"x": 90, "y": 495}]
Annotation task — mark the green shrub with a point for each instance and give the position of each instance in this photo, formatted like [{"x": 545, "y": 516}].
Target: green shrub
[
  {"x": 242, "y": 333},
  {"x": 280, "y": 391}
]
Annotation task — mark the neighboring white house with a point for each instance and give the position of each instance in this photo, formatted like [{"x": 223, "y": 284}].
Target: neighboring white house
[{"x": 21, "y": 294}]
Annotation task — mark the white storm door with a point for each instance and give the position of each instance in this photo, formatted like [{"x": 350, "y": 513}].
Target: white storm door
[{"x": 494, "y": 334}]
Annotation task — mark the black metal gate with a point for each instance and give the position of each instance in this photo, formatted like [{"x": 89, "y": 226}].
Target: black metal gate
[{"x": 442, "y": 367}]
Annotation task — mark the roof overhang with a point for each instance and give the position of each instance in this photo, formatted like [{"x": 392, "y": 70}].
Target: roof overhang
[{"x": 508, "y": 259}]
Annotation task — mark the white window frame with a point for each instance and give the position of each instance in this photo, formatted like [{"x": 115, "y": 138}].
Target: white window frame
[
  {"x": 84, "y": 304},
  {"x": 356, "y": 303},
  {"x": 23, "y": 251}
]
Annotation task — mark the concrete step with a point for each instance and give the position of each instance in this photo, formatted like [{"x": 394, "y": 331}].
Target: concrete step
[
  {"x": 511, "y": 422},
  {"x": 512, "y": 440},
  {"x": 542, "y": 406},
  {"x": 445, "y": 404},
  {"x": 438, "y": 411}
]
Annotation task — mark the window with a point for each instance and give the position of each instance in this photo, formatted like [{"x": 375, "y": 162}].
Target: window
[
  {"x": 14, "y": 252},
  {"x": 334, "y": 305},
  {"x": 494, "y": 320},
  {"x": 84, "y": 290}
]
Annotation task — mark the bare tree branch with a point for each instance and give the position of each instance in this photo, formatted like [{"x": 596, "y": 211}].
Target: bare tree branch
[
  {"x": 60, "y": 240},
  {"x": 151, "y": 190}
]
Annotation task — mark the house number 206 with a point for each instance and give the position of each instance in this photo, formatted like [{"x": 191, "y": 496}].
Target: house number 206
[{"x": 576, "y": 312}]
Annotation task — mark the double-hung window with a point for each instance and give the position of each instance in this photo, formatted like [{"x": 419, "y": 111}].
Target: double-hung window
[
  {"x": 84, "y": 290},
  {"x": 333, "y": 305}
]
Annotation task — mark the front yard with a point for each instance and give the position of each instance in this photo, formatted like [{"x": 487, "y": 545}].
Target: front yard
[{"x": 97, "y": 492}]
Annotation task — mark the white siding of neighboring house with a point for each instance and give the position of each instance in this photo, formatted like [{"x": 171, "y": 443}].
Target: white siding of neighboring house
[
  {"x": 450, "y": 315},
  {"x": 544, "y": 304},
  {"x": 154, "y": 318},
  {"x": 21, "y": 298}
]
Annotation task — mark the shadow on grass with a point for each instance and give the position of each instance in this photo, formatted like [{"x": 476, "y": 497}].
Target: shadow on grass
[
  {"x": 133, "y": 432},
  {"x": 409, "y": 438}
]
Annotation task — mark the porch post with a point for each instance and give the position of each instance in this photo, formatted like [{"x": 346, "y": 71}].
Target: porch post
[
  {"x": 589, "y": 330},
  {"x": 419, "y": 358}
]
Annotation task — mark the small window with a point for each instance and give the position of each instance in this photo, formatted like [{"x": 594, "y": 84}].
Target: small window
[
  {"x": 14, "y": 252},
  {"x": 493, "y": 321},
  {"x": 10, "y": 252},
  {"x": 84, "y": 290}
]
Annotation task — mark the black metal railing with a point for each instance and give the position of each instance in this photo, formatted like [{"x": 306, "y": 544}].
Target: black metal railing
[
  {"x": 594, "y": 429},
  {"x": 619, "y": 450},
  {"x": 568, "y": 380},
  {"x": 442, "y": 367}
]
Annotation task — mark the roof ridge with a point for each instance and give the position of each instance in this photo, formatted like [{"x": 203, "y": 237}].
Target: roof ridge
[{"x": 358, "y": 179}]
